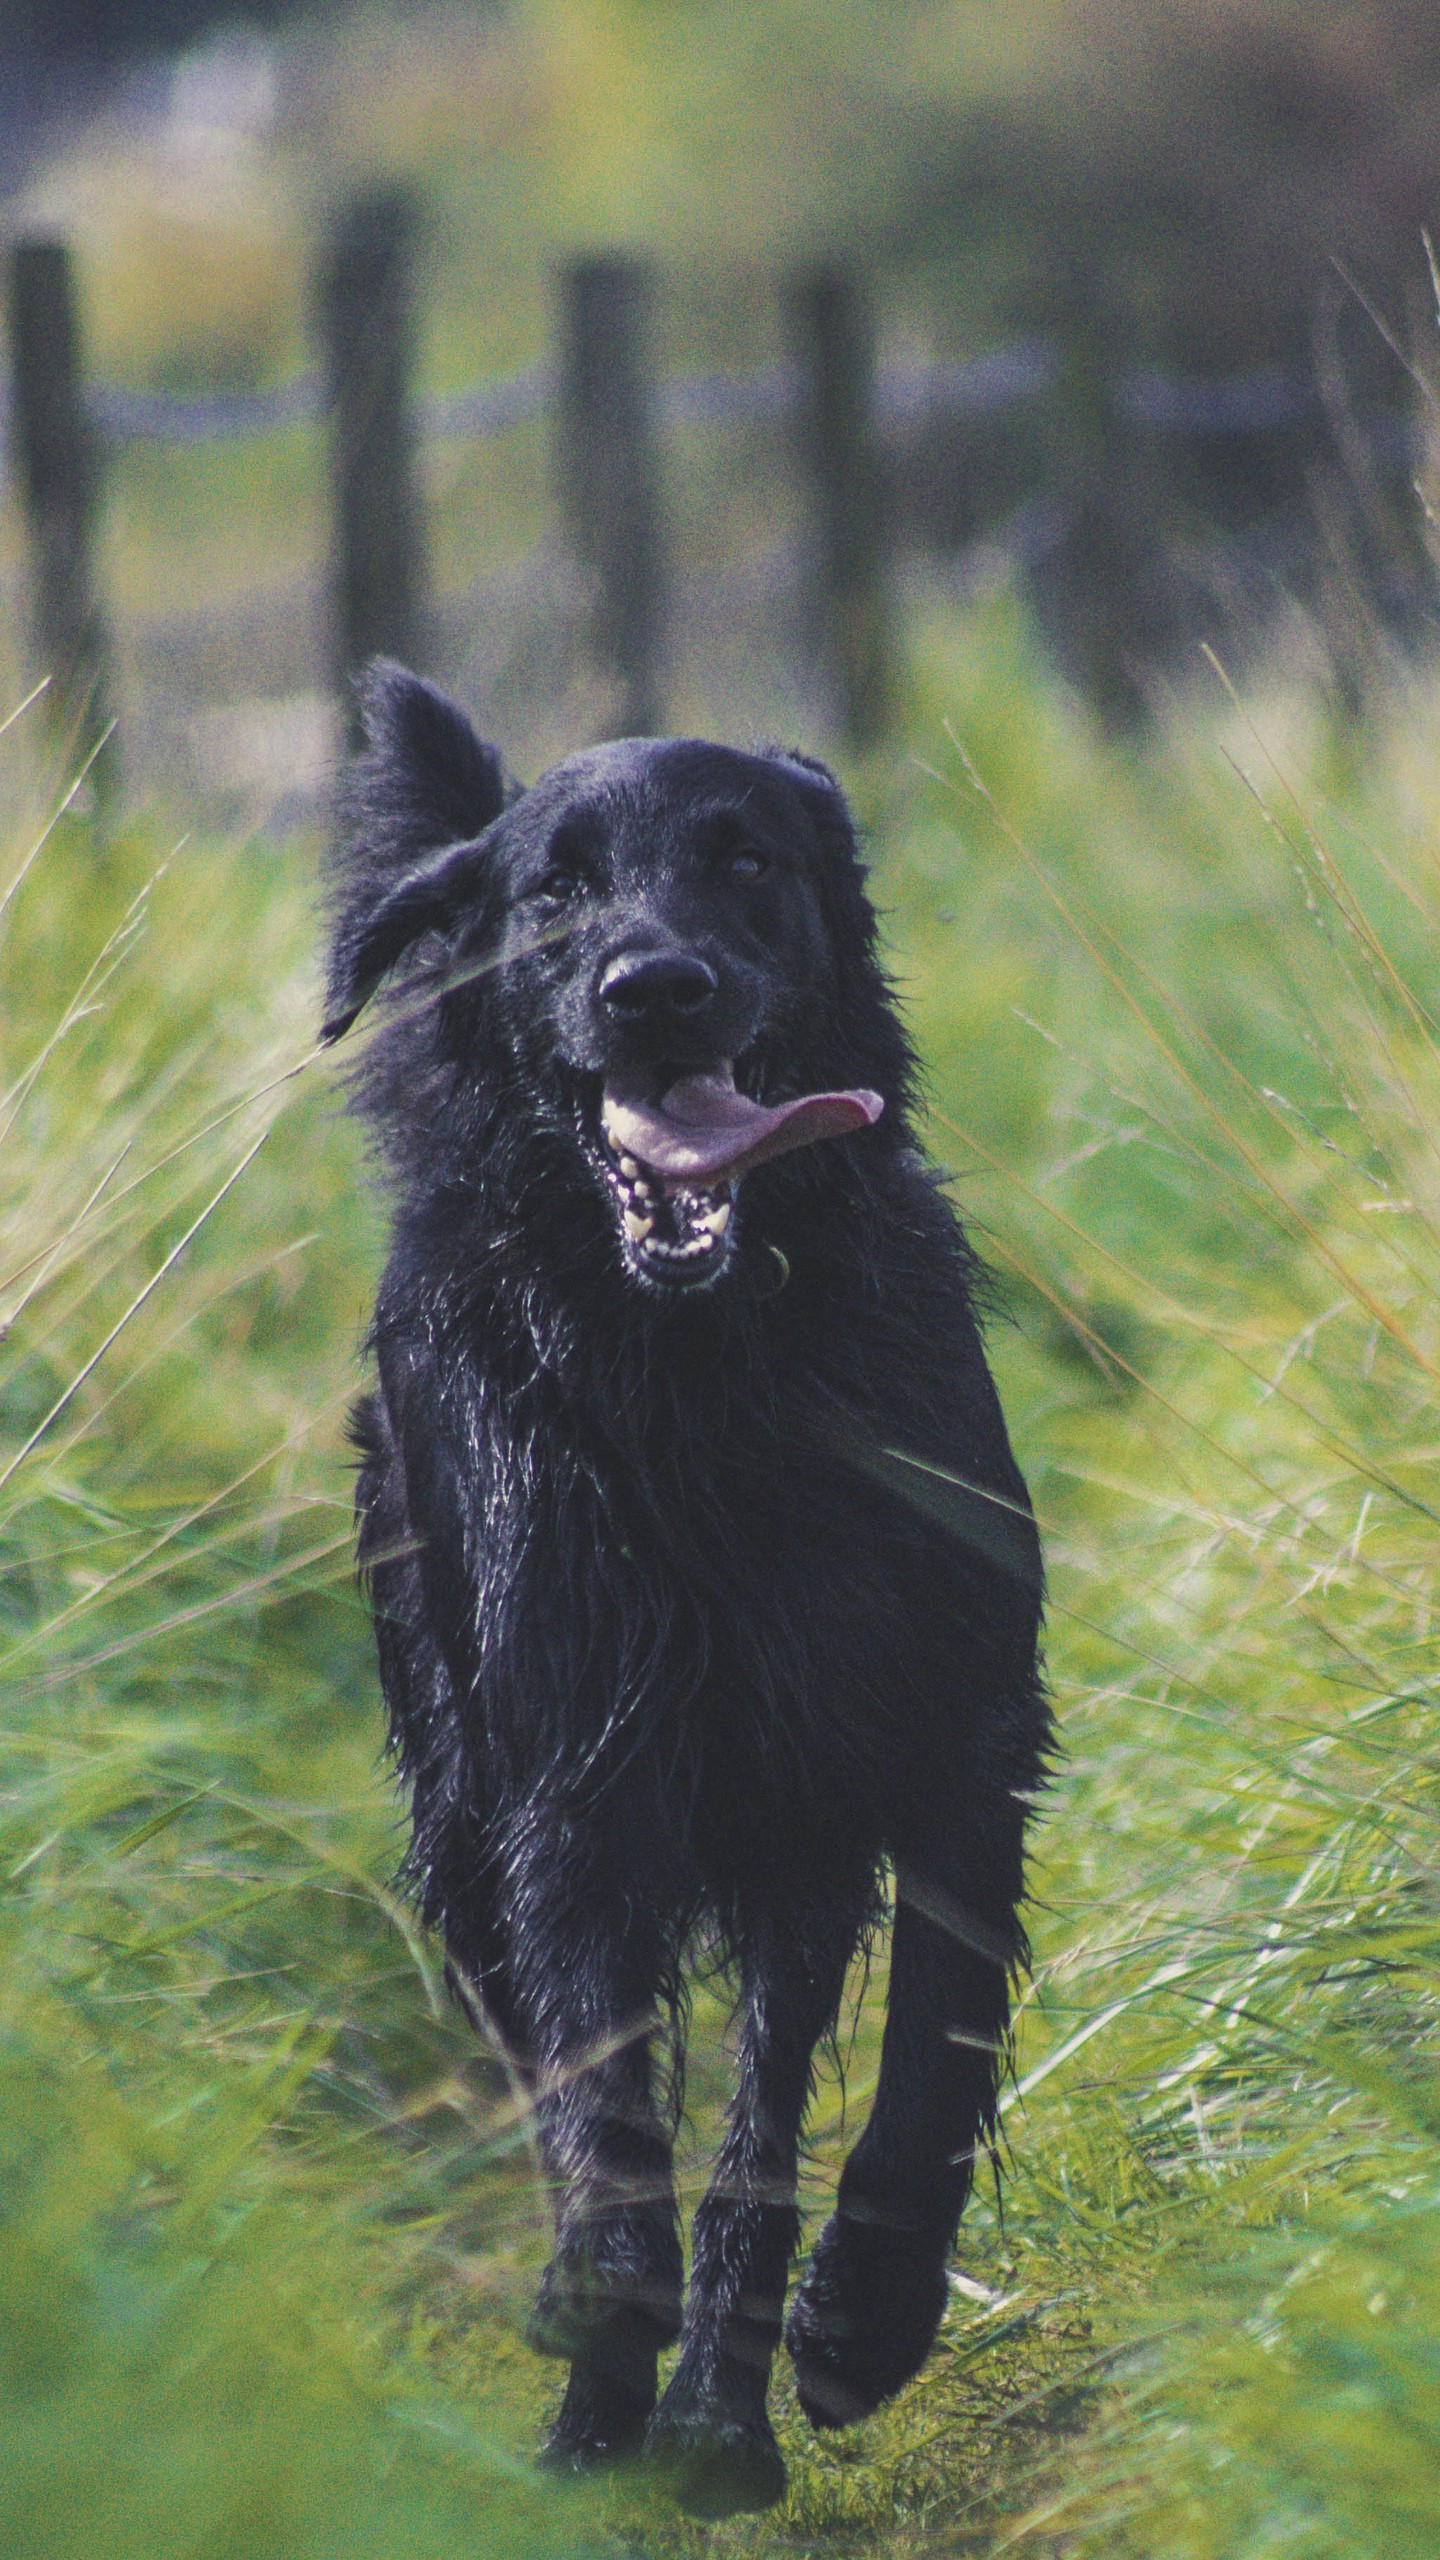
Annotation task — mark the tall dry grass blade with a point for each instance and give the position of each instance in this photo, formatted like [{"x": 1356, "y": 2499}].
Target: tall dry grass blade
[{"x": 151, "y": 1285}]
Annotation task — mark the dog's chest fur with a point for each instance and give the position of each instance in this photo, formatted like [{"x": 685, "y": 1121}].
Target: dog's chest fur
[{"x": 663, "y": 1554}]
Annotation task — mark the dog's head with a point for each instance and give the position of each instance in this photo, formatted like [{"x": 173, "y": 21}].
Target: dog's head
[{"x": 669, "y": 941}]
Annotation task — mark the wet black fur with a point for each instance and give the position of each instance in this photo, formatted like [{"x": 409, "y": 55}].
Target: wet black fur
[{"x": 695, "y": 1611}]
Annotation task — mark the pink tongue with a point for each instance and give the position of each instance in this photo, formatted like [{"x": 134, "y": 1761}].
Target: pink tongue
[{"x": 702, "y": 1129}]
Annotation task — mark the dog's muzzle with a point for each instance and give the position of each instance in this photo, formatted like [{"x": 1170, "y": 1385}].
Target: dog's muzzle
[{"x": 673, "y": 1162}]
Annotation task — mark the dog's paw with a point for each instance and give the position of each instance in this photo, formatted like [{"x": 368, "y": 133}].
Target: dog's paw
[
  {"x": 716, "y": 2466},
  {"x": 716, "y": 2462},
  {"x": 599, "y": 2421},
  {"x": 864, "y": 2319}
]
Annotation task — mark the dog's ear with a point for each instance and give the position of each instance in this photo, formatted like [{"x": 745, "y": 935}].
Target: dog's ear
[
  {"x": 411, "y": 806},
  {"x": 876, "y": 1049},
  {"x": 830, "y": 812},
  {"x": 425, "y": 778},
  {"x": 368, "y": 942},
  {"x": 807, "y": 769},
  {"x": 823, "y": 796}
]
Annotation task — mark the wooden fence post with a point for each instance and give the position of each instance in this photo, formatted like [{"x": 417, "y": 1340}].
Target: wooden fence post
[
  {"x": 609, "y": 470},
  {"x": 832, "y": 333},
  {"x": 367, "y": 319},
  {"x": 57, "y": 466},
  {"x": 1098, "y": 589}
]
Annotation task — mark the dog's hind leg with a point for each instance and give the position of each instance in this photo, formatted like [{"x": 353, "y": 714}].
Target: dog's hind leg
[
  {"x": 585, "y": 1973},
  {"x": 711, "y": 2431},
  {"x": 872, "y": 2299}
]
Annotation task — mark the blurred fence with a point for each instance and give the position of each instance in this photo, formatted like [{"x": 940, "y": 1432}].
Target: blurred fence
[
  {"x": 1253, "y": 403},
  {"x": 604, "y": 593}
]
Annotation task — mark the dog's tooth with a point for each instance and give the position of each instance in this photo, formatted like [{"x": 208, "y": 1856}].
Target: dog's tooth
[
  {"x": 629, "y": 1166},
  {"x": 718, "y": 1219},
  {"x": 636, "y": 1227}
]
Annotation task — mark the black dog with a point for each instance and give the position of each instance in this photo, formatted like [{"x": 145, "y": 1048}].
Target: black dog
[{"x": 705, "y": 1583}]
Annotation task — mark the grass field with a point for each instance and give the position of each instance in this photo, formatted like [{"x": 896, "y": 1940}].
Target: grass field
[{"x": 269, "y": 2221}]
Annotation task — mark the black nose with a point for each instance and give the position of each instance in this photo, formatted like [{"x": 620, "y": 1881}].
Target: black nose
[{"x": 643, "y": 986}]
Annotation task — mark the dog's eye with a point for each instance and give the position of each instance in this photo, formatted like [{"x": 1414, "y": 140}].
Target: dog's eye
[
  {"x": 559, "y": 885},
  {"x": 747, "y": 864}
]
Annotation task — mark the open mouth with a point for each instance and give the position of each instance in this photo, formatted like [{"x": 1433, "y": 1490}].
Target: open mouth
[{"x": 673, "y": 1160}]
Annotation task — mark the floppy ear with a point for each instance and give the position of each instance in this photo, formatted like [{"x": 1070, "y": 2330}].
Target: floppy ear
[
  {"x": 367, "y": 946},
  {"x": 806, "y": 768},
  {"x": 879, "y": 1048},
  {"x": 830, "y": 810},
  {"x": 823, "y": 797},
  {"x": 411, "y": 807}
]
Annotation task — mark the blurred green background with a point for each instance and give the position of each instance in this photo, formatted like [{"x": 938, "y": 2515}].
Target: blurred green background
[
  {"x": 268, "y": 2219},
  {"x": 1149, "y": 282}
]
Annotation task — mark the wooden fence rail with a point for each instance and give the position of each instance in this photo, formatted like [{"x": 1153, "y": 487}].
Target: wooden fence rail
[
  {"x": 607, "y": 452},
  {"x": 955, "y": 472}
]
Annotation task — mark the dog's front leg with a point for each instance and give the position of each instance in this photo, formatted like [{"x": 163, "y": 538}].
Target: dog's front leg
[
  {"x": 872, "y": 2299},
  {"x": 585, "y": 1970},
  {"x": 711, "y": 2430}
]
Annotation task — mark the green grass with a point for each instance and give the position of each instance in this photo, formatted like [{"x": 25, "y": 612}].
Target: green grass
[
  {"x": 228, "y": 2085},
  {"x": 268, "y": 2221}
]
